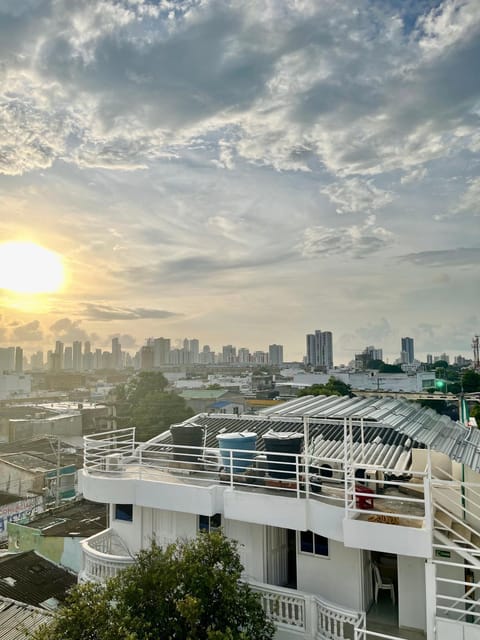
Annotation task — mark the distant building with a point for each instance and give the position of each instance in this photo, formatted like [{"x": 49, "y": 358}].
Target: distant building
[
  {"x": 116, "y": 354},
  {"x": 13, "y": 385},
  {"x": 320, "y": 349},
  {"x": 161, "y": 351},
  {"x": 146, "y": 358},
  {"x": 18, "y": 360},
  {"x": 229, "y": 354},
  {"x": 275, "y": 354},
  {"x": 407, "y": 351},
  {"x": 68, "y": 359},
  {"x": 77, "y": 355},
  {"x": 368, "y": 354}
]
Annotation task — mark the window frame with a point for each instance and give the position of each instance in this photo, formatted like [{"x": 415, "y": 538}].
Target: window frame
[
  {"x": 119, "y": 508},
  {"x": 208, "y": 525},
  {"x": 323, "y": 541}
]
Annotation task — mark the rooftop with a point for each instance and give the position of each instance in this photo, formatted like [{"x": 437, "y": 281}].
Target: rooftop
[
  {"x": 203, "y": 394},
  {"x": 18, "y": 620},
  {"x": 79, "y": 519},
  {"x": 30, "y": 578}
]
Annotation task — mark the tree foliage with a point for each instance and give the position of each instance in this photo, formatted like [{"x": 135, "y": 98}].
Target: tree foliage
[
  {"x": 149, "y": 407},
  {"x": 333, "y": 387},
  {"x": 390, "y": 368},
  {"x": 471, "y": 381},
  {"x": 190, "y": 590}
]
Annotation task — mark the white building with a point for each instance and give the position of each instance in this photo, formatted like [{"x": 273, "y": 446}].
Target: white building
[
  {"x": 14, "y": 385},
  {"x": 388, "y": 510},
  {"x": 372, "y": 380}
]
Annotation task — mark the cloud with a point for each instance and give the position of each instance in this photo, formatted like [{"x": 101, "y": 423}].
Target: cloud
[
  {"x": 69, "y": 330},
  {"x": 470, "y": 199},
  {"x": 126, "y": 340},
  {"x": 29, "y": 332},
  {"x": 459, "y": 257},
  {"x": 356, "y": 196},
  {"x": 120, "y": 84},
  {"x": 106, "y": 312},
  {"x": 375, "y": 332},
  {"x": 356, "y": 241}
]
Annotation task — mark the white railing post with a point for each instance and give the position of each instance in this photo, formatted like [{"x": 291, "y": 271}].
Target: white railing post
[
  {"x": 431, "y": 598},
  {"x": 297, "y": 473},
  {"x": 231, "y": 468}
]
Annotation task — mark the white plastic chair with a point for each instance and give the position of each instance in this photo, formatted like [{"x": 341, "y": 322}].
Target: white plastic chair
[{"x": 382, "y": 583}]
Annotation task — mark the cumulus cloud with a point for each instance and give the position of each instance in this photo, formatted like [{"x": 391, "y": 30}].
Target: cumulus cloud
[
  {"x": 356, "y": 196},
  {"x": 356, "y": 241},
  {"x": 126, "y": 340},
  {"x": 69, "y": 330},
  {"x": 107, "y": 312},
  {"x": 29, "y": 332},
  {"x": 117, "y": 84}
]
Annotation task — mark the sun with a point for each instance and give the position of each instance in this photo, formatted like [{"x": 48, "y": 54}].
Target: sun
[{"x": 26, "y": 267}]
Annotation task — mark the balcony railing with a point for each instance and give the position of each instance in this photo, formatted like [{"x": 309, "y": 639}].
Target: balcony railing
[
  {"x": 371, "y": 492},
  {"x": 308, "y": 614},
  {"x": 104, "y": 555}
]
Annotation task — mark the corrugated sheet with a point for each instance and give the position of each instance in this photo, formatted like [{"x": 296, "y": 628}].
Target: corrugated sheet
[
  {"x": 18, "y": 620},
  {"x": 397, "y": 422}
]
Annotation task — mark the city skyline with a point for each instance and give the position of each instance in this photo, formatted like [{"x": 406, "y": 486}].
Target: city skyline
[{"x": 252, "y": 169}]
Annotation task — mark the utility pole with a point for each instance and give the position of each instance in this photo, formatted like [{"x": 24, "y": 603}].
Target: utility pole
[{"x": 57, "y": 487}]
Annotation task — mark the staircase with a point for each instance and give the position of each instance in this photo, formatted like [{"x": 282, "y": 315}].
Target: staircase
[{"x": 456, "y": 550}]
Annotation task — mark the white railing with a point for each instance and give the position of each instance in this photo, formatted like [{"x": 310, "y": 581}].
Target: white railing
[
  {"x": 104, "y": 555},
  {"x": 308, "y": 614},
  {"x": 297, "y": 475},
  {"x": 364, "y": 634}
]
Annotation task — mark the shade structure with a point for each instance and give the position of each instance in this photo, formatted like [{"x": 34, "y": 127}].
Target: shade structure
[
  {"x": 237, "y": 450},
  {"x": 281, "y": 448},
  {"x": 187, "y": 435}
]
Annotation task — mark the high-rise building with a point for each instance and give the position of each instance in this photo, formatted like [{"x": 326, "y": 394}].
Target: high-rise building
[
  {"x": 320, "y": 349},
  {"x": 146, "y": 358},
  {"x": 429, "y": 358},
  {"x": 68, "y": 358},
  {"x": 408, "y": 349},
  {"x": 116, "y": 354},
  {"x": 229, "y": 353},
  {"x": 194, "y": 348},
  {"x": 77, "y": 355},
  {"x": 18, "y": 360},
  {"x": 244, "y": 355},
  {"x": 58, "y": 360},
  {"x": 87, "y": 356},
  {"x": 161, "y": 351},
  {"x": 275, "y": 354}
]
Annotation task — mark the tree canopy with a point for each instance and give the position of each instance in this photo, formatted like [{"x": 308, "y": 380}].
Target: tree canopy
[
  {"x": 334, "y": 387},
  {"x": 471, "y": 381},
  {"x": 191, "y": 590},
  {"x": 390, "y": 368},
  {"x": 147, "y": 405}
]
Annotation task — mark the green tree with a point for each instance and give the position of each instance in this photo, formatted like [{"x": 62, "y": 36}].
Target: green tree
[
  {"x": 334, "y": 387},
  {"x": 145, "y": 404},
  {"x": 190, "y": 590},
  {"x": 471, "y": 381},
  {"x": 390, "y": 368},
  {"x": 375, "y": 364},
  {"x": 156, "y": 411}
]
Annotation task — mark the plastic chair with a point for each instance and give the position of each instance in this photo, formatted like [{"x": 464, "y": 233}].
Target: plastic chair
[{"x": 382, "y": 583}]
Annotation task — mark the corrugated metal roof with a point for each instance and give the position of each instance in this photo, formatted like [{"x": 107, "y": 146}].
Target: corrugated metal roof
[
  {"x": 423, "y": 425},
  {"x": 394, "y": 420},
  {"x": 18, "y": 620}
]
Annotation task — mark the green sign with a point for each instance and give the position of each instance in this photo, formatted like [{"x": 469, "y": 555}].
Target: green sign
[{"x": 441, "y": 553}]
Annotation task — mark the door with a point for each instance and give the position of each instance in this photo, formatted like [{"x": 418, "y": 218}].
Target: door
[{"x": 276, "y": 556}]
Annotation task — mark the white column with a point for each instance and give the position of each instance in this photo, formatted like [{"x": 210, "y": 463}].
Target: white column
[{"x": 431, "y": 597}]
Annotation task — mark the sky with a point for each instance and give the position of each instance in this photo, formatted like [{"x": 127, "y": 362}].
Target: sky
[{"x": 244, "y": 171}]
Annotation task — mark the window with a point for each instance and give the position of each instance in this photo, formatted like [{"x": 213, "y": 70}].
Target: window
[
  {"x": 313, "y": 543},
  {"x": 124, "y": 512},
  {"x": 210, "y": 523}
]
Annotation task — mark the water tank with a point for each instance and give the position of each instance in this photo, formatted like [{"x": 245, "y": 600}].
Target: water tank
[
  {"x": 278, "y": 443},
  {"x": 245, "y": 442},
  {"x": 187, "y": 435}
]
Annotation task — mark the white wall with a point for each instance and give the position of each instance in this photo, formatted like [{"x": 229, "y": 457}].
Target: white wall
[
  {"x": 250, "y": 548},
  {"x": 411, "y": 592},
  {"x": 337, "y": 578}
]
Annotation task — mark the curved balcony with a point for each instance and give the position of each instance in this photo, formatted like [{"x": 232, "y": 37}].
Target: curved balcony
[{"x": 104, "y": 555}]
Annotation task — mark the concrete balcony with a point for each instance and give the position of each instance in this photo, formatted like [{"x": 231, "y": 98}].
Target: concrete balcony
[{"x": 104, "y": 555}]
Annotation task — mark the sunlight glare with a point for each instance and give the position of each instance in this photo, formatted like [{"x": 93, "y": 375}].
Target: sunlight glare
[{"x": 26, "y": 267}]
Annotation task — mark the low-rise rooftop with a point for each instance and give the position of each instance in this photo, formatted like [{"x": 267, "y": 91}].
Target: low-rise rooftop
[
  {"x": 28, "y": 577},
  {"x": 78, "y": 519}
]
